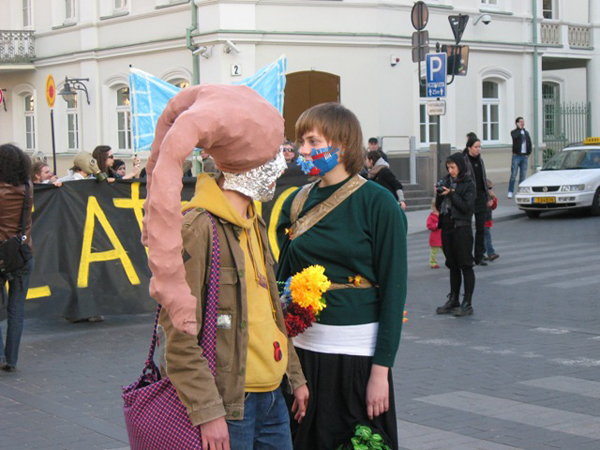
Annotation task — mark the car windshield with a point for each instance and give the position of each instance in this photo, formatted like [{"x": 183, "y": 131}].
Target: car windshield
[{"x": 574, "y": 159}]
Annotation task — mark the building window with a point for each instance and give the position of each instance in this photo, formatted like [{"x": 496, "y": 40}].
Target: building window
[
  {"x": 491, "y": 111},
  {"x": 489, "y": 2},
  {"x": 428, "y": 128},
  {"x": 548, "y": 9},
  {"x": 29, "y": 123},
  {"x": 124, "y": 119},
  {"x": 120, "y": 5},
  {"x": 551, "y": 101},
  {"x": 180, "y": 83},
  {"x": 69, "y": 10},
  {"x": 72, "y": 125},
  {"x": 27, "y": 14}
]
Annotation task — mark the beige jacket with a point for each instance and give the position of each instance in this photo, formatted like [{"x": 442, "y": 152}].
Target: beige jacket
[{"x": 205, "y": 398}]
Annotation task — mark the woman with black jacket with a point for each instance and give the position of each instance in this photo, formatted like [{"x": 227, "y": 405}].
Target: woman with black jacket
[
  {"x": 483, "y": 201},
  {"x": 380, "y": 173},
  {"x": 455, "y": 200}
]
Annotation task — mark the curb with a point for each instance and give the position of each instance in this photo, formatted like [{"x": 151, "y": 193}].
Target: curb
[{"x": 503, "y": 218}]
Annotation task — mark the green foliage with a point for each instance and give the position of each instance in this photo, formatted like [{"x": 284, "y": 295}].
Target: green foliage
[{"x": 365, "y": 439}]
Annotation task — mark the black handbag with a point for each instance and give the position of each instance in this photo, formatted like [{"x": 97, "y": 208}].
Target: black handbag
[{"x": 14, "y": 253}]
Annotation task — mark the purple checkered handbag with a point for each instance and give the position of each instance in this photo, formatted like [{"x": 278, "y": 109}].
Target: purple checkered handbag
[{"x": 155, "y": 417}]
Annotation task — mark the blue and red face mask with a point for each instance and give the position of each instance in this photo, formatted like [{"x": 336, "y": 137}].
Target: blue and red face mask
[{"x": 323, "y": 160}]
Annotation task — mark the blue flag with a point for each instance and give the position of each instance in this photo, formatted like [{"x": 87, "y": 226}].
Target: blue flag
[
  {"x": 270, "y": 82},
  {"x": 150, "y": 95}
]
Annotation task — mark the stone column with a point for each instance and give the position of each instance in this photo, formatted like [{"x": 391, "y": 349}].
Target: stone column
[{"x": 593, "y": 67}]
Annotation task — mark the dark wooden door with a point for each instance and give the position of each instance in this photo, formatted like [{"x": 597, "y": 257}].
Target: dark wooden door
[{"x": 306, "y": 89}]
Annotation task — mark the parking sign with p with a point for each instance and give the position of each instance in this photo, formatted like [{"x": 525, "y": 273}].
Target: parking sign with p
[{"x": 436, "y": 74}]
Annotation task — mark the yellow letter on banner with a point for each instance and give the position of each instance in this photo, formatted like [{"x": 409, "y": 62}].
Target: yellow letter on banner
[
  {"x": 87, "y": 257},
  {"x": 275, "y": 212},
  {"x": 135, "y": 202}
]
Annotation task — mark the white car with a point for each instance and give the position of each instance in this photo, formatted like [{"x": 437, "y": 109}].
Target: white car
[{"x": 569, "y": 180}]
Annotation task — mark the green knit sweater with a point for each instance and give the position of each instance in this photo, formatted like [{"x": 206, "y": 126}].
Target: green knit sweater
[{"x": 365, "y": 235}]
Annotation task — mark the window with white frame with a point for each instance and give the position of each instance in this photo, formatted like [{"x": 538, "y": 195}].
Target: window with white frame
[
  {"x": 428, "y": 128},
  {"x": 180, "y": 83},
  {"x": 29, "y": 122},
  {"x": 123, "y": 111},
  {"x": 489, "y": 2},
  {"x": 549, "y": 9},
  {"x": 120, "y": 5},
  {"x": 551, "y": 102},
  {"x": 491, "y": 111},
  {"x": 27, "y": 22},
  {"x": 72, "y": 125},
  {"x": 69, "y": 10}
]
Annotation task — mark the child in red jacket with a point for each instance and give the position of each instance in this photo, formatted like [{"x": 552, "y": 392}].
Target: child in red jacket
[
  {"x": 435, "y": 237},
  {"x": 487, "y": 231}
]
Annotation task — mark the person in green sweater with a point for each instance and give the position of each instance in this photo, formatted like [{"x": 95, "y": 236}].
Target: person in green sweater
[{"x": 356, "y": 230}]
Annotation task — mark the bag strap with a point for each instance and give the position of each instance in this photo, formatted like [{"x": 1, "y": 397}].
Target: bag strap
[
  {"x": 299, "y": 201},
  {"x": 24, "y": 212},
  {"x": 208, "y": 340},
  {"x": 315, "y": 214}
]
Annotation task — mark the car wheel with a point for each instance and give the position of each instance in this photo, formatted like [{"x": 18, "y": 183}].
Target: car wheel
[
  {"x": 533, "y": 214},
  {"x": 595, "y": 209}
]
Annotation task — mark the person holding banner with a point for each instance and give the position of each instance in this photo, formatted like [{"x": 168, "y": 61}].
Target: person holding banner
[
  {"x": 242, "y": 407},
  {"x": 105, "y": 159},
  {"x": 41, "y": 174},
  {"x": 356, "y": 230}
]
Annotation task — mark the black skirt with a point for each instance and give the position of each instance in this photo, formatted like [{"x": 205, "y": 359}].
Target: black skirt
[{"x": 337, "y": 402}]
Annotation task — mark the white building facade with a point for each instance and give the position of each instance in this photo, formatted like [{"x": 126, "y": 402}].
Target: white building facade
[{"x": 532, "y": 56}]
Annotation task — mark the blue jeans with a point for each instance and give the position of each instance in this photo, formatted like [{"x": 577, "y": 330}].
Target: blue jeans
[
  {"x": 487, "y": 239},
  {"x": 15, "y": 315},
  {"x": 266, "y": 423},
  {"x": 519, "y": 162}
]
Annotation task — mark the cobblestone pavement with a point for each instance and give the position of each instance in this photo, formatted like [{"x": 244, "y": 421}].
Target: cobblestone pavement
[{"x": 521, "y": 373}]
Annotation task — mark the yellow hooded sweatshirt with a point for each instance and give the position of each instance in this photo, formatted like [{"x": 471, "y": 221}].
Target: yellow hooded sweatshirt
[{"x": 267, "y": 345}]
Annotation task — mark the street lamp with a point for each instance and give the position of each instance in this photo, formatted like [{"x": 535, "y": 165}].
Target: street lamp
[{"x": 71, "y": 85}]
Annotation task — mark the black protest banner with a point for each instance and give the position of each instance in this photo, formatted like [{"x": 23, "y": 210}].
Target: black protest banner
[{"x": 89, "y": 259}]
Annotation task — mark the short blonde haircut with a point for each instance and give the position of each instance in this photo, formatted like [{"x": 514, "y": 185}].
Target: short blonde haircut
[{"x": 340, "y": 126}]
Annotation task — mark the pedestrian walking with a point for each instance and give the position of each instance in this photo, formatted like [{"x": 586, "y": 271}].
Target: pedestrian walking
[
  {"x": 521, "y": 149},
  {"x": 491, "y": 254},
  {"x": 16, "y": 261},
  {"x": 357, "y": 232},
  {"x": 455, "y": 200},
  {"x": 477, "y": 173},
  {"x": 435, "y": 235}
]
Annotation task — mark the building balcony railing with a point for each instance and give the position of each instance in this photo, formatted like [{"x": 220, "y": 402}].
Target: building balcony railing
[
  {"x": 550, "y": 33},
  {"x": 580, "y": 37},
  {"x": 16, "y": 47},
  {"x": 560, "y": 33}
]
